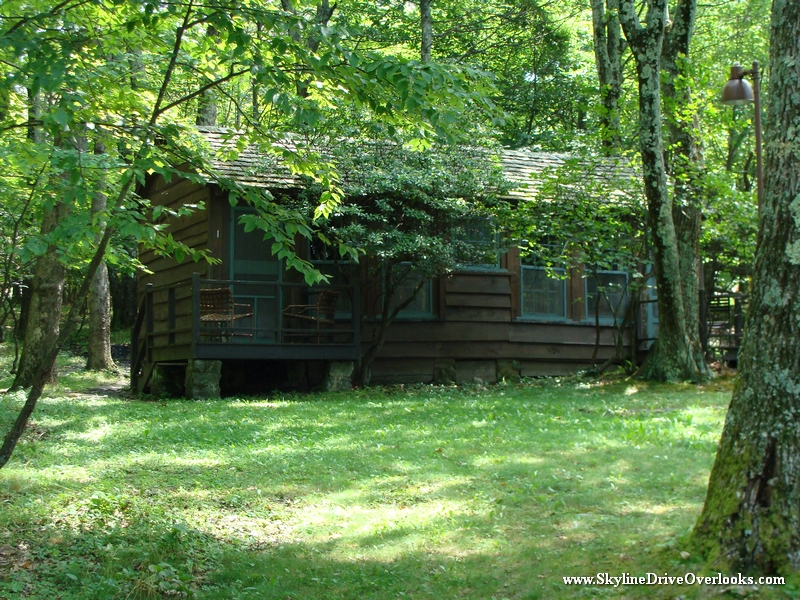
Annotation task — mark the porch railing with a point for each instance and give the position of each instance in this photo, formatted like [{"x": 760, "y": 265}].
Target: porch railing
[
  {"x": 722, "y": 320},
  {"x": 169, "y": 317}
]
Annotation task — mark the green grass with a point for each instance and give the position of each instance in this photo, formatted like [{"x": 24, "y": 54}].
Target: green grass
[{"x": 416, "y": 492}]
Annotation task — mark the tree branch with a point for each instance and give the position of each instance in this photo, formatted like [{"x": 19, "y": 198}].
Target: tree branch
[{"x": 199, "y": 91}]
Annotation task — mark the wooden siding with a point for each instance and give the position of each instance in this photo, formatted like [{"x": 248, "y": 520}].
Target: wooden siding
[
  {"x": 478, "y": 324},
  {"x": 191, "y": 230}
]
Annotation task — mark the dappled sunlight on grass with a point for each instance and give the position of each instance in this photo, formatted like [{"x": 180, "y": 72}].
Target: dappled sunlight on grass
[{"x": 428, "y": 492}]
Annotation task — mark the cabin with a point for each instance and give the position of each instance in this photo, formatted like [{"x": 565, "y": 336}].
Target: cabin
[{"x": 204, "y": 329}]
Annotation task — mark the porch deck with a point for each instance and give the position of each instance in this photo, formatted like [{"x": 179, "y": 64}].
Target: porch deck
[{"x": 171, "y": 327}]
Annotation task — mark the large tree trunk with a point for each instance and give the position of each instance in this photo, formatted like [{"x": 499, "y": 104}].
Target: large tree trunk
[
  {"x": 671, "y": 358},
  {"x": 608, "y": 46},
  {"x": 751, "y": 517},
  {"x": 44, "y": 313},
  {"x": 685, "y": 167}
]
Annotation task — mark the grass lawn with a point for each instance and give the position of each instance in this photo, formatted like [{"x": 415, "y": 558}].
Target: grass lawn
[{"x": 416, "y": 492}]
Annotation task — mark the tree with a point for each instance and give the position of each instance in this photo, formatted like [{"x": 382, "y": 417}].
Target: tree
[
  {"x": 526, "y": 45},
  {"x": 134, "y": 83},
  {"x": 675, "y": 355},
  {"x": 410, "y": 213},
  {"x": 47, "y": 291},
  {"x": 750, "y": 519},
  {"x": 684, "y": 165},
  {"x": 98, "y": 345},
  {"x": 608, "y": 48},
  {"x": 726, "y": 33},
  {"x": 18, "y": 172},
  {"x": 426, "y": 29}
]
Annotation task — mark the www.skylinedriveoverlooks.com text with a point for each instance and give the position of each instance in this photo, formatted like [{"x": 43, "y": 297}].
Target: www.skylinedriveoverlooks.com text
[{"x": 625, "y": 579}]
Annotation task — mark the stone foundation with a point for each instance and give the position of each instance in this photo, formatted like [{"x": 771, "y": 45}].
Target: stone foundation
[
  {"x": 444, "y": 371},
  {"x": 167, "y": 380},
  {"x": 508, "y": 370},
  {"x": 202, "y": 379},
  {"x": 338, "y": 377}
]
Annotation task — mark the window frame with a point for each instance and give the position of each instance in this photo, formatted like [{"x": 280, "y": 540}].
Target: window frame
[
  {"x": 411, "y": 315},
  {"x": 588, "y": 301},
  {"x": 495, "y": 245},
  {"x": 534, "y": 316}
]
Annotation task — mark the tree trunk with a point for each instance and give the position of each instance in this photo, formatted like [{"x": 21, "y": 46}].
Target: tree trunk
[
  {"x": 426, "y": 26},
  {"x": 685, "y": 166},
  {"x": 323, "y": 15},
  {"x": 99, "y": 342},
  {"x": 207, "y": 104},
  {"x": 671, "y": 358},
  {"x": 34, "y": 131},
  {"x": 362, "y": 373},
  {"x": 608, "y": 45},
  {"x": 751, "y": 517},
  {"x": 207, "y": 108},
  {"x": 44, "y": 311}
]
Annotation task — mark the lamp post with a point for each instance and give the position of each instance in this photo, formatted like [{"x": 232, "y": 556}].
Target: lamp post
[{"x": 738, "y": 92}]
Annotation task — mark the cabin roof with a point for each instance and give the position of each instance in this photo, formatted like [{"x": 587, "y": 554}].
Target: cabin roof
[{"x": 255, "y": 168}]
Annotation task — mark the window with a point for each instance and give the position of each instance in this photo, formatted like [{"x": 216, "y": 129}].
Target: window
[
  {"x": 543, "y": 296},
  {"x": 484, "y": 242},
  {"x": 421, "y": 307},
  {"x": 614, "y": 299}
]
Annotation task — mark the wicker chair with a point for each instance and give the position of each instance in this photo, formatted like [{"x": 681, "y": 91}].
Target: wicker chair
[
  {"x": 218, "y": 314},
  {"x": 319, "y": 314}
]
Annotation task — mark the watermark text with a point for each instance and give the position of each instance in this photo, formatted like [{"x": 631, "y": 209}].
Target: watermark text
[{"x": 667, "y": 579}]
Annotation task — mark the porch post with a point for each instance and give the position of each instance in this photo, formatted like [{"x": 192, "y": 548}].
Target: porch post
[
  {"x": 148, "y": 336},
  {"x": 195, "y": 312}
]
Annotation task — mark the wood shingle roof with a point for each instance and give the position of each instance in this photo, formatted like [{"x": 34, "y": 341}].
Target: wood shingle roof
[{"x": 254, "y": 168}]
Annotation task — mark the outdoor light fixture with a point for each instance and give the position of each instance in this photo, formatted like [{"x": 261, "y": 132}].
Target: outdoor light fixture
[{"x": 738, "y": 92}]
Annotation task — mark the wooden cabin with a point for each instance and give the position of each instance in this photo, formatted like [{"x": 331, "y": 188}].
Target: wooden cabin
[{"x": 247, "y": 318}]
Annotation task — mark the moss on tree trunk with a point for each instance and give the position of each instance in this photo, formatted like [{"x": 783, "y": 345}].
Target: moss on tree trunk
[
  {"x": 671, "y": 358},
  {"x": 751, "y": 516},
  {"x": 45, "y": 308},
  {"x": 684, "y": 164},
  {"x": 608, "y": 46}
]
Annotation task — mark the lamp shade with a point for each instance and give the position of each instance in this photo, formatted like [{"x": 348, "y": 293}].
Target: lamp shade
[{"x": 737, "y": 91}]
